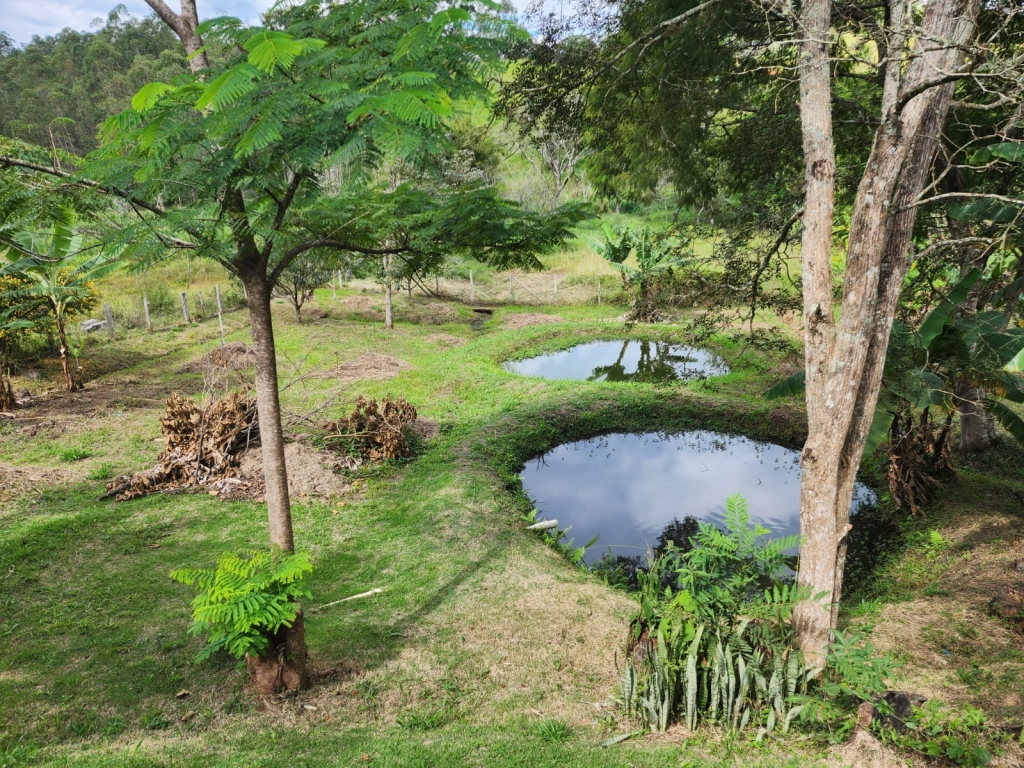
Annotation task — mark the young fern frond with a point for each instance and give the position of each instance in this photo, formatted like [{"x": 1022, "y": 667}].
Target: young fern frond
[{"x": 246, "y": 599}]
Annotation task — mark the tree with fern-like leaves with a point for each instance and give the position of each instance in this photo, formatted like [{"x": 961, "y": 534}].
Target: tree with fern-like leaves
[{"x": 230, "y": 164}]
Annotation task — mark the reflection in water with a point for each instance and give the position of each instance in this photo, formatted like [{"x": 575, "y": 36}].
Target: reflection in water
[
  {"x": 643, "y": 361},
  {"x": 638, "y": 491}
]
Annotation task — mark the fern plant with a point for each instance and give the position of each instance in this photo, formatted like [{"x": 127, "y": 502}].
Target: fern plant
[
  {"x": 246, "y": 599},
  {"x": 711, "y": 642}
]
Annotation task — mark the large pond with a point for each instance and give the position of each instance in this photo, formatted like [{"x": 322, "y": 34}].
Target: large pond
[
  {"x": 629, "y": 360},
  {"x": 630, "y": 490}
]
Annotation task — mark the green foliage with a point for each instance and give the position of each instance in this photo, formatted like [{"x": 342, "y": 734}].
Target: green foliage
[
  {"x": 554, "y": 731},
  {"x": 853, "y": 674},
  {"x": 656, "y": 255},
  {"x": 246, "y": 599},
  {"x": 69, "y": 455},
  {"x": 710, "y": 642},
  {"x": 57, "y": 90},
  {"x": 935, "y": 731}
]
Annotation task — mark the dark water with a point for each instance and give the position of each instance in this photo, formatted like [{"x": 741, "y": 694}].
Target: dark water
[
  {"x": 629, "y": 360},
  {"x": 626, "y": 488}
]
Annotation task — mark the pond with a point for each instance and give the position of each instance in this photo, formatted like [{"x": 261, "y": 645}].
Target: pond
[
  {"x": 632, "y": 489},
  {"x": 627, "y": 360}
]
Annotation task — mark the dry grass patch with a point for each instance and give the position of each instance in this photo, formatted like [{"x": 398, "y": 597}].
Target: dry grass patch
[
  {"x": 370, "y": 366},
  {"x": 526, "y": 319},
  {"x": 446, "y": 340}
]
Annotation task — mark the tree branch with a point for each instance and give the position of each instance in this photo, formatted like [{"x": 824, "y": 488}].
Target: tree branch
[
  {"x": 339, "y": 245},
  {"x": 13, "y": 162}
]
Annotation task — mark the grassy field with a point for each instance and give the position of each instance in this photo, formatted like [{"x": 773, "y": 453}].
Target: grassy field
[{"x": 485, "y": 647}]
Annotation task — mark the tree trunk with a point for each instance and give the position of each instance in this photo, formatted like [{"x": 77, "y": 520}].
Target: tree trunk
[
  {"x": 284, "y": 665},
  {"x": 184, "y": 26},
  {"x": 6, "y": 392},
  {"x": 844, "y": 363},
  {"x": 389, "y": 314},
  {"x": 72, "y": 382},
  {"x": 818, "y": 489},
  {"x": 973, "y": 421},
  {"x": 279, "y": 511}
]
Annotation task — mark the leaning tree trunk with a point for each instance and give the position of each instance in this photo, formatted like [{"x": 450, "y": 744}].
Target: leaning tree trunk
[
  {"x": 184, "y": 26},
  {"x": 284, "y": 662},
  {"x": 72, "y": 382},
  {"x": 844, "y": 363}
]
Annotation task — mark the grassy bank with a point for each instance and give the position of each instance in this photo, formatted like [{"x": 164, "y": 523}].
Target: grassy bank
[{"x": 485, "y": 647}]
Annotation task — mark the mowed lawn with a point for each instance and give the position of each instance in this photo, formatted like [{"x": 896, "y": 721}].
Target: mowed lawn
[{"x": 485, "y": 647}]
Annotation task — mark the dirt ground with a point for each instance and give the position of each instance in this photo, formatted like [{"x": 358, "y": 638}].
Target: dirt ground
[
  {"x": 310, "y": 472},
  {"x": 526, "y": 319},
  {"x": 370, "y": 366}
]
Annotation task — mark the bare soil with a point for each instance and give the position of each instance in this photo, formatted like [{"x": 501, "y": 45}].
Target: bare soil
[
  {"x": 367, "y": 367},
  {"x": 310, "y": 473},
  {"x": 523, "y": 320}
]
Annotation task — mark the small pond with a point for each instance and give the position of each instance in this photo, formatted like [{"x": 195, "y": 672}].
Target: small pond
[
  {"x": 628, "y": 360},
  {"x": 630, "y": 489}
]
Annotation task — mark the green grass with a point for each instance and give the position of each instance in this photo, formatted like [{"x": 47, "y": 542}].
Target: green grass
[{"x": 485, "y": 647}]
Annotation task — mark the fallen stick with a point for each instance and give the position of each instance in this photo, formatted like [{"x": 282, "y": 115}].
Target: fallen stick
[
  {"x": 543, "y": 525},
  {"x": 371, "y": 593}
]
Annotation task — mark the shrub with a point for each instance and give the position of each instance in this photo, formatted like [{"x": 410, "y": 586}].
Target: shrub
[
  {"x": 713, "y": 637},
  {"x": 246, "y": 599}
]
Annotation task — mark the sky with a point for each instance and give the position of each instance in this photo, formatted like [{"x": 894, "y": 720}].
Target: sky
[{"x": 22, "y": 19}]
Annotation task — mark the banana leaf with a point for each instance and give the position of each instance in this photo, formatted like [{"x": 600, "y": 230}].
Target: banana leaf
[
  {"x": 936, "y": 320},
  {"x": 791, "y": 386},
  {"x": 1007, "y": 419}
]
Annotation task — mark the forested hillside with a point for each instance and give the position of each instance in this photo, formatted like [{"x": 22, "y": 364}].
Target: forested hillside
[{"x": 56, "y": 90}]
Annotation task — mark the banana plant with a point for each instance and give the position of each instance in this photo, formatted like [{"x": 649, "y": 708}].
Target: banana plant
[
  {"x": 8, "y": 324},
  {"x": 654, "y": 255},
  {"x": 54, "y": 273},
  {"x": 947, "y": 354}
]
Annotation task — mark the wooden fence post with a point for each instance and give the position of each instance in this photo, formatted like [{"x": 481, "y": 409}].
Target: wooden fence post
[
  {"x": 145, "y": 310},
  {"x": 220, "y": 314},
  {"x": 511, "y": 292},
  {"x": 109, "y": 317},
  {"x": 184, "y": 308},
  {"x": 599, "y": 291},
  {"x": 202, "y": 304},
  {"x": 556, "y": 287},
  {"x": 472, "y": 289}
]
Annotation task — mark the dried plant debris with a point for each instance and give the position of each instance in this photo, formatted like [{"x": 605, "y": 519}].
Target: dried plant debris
[
  {"x": 376, "y": 431},
  {"x": 370, "y": 366},
  {"x": 234, "y": 356},
  {"x": 202, "y": 445},
  {"x": 919, "y": 460}
]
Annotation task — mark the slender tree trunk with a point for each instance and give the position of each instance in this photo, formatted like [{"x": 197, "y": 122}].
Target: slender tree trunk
[
  {"x": 844, "y": 363},
  {"x": 6, "y": 392},
  {"x": 184, "y": 26},
  {"x": 817, "y": 502},
  {"x": 389, "y": 312},
  {"x": 973, "y": 421},
  {"x": 284, "y": 664},
  {"x": 71, "y": 381},
  {"x": 271, "y": 435}
]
